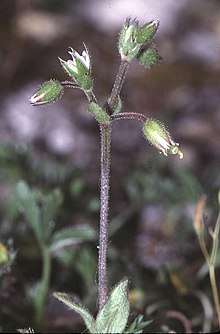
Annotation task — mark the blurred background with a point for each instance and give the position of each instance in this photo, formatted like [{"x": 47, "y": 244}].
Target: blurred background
[{"x": 57, "y": 148}]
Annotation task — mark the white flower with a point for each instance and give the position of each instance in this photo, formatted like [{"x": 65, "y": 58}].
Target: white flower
[
  {"x": 84, "y": 58},
  {"x": 71, "y": 66}
]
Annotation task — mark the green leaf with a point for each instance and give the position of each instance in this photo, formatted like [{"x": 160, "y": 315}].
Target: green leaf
[
  {"x": 50, "y": 205},
  {"x": 72, "y": 236},
  {"x": 38, "y": 209},
  {"x": 137, "y": 326},
  {"x": 86, "y": 264},
  {"x": 118, "y": 105},
  {"x": 113, "y": 317},
  {"x": 81, "y": 310},
  {"x": 100, "y": 114},
  {"x": 26, "y": 201}
]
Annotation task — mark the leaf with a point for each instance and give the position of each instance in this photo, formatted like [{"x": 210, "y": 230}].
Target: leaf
[
  {"x": 113, "y": 317},
  {"x": 26, "y": 202},
  {"x": 100, "y": 114},
  {"x": 86, "y": 264},
  {"x": 137, "y": 325},
  {"x": 50, "y": 205},
  {"x": 71, "y": 236},
  {"x": 81, "y": 310},
  {"x": 118, "y": 105}
]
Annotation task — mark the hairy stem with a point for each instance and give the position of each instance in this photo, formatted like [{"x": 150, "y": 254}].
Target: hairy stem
[
  {"x": 129, "y": 115},
  {"x": 105, "y": 179},
  {"x": 120, "y": 78},
  {"x": 103, "y": 234}
]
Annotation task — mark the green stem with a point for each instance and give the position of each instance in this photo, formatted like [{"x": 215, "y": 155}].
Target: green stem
[
  {"x": 214, "y": 290},
  {"x": 90, "y": 96},
  {"x": 212, "y": 268},
  {"x": 41, "y": 297},
  {"x": 215, "y": 240}
]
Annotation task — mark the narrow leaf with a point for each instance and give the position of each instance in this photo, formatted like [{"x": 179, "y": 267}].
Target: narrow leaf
[
  {"x": 26, "y": 201},
  {"x": 81, "y": 310},
  {"x": 71, "y": 236},
  {"x": 50, "y": 205},
  {"x": 113, "y": 316}
]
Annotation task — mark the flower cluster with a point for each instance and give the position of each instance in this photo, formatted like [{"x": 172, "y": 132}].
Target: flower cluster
[{"x": 133, "y": 40}]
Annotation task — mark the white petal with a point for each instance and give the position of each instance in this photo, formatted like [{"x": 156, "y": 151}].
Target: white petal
[
  {"x": 161, "y": 141},
  {"x": 86, "y": 59},
  {"x": 71, "y": 64}
]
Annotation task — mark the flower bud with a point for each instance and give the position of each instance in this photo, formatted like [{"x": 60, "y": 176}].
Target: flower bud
[
  {"x": 149, "y": 57},
  {"x": 147, "y": 32},
  {"x": 50, "y": 91},
  {"x": 127, "y": 44},
  {"x": 157, "y": 135}
]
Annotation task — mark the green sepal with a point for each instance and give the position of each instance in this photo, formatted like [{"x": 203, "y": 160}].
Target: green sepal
[
  {"x": 78, "y": 72},
  {"x": 127, "y": 44},
  {"x": 67, "y": 68},
  {"x": 147, "y": 32},
  {"x": 85, "y": 82},
  {"x": 50, "y": 91},
  {"x": 100, "y": 114},
  {"x": 113, "y": 317},
  {"x": 149, "y": 57},
  {"x": 82, "y": 79},
  {"x": 78, "y": 308}
]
